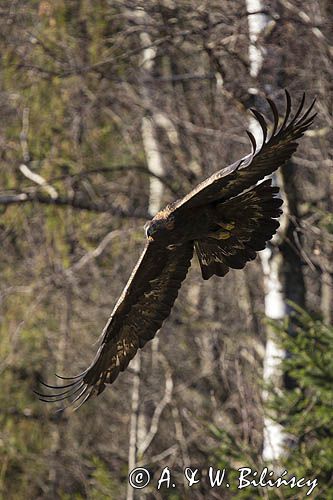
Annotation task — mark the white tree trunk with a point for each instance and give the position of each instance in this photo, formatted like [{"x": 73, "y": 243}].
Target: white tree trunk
[
  {"x": 154, "y": 162},
  {"x": 257, "y": 24},
  {"x": 275, "y": 306},
  {"x": 155, "y": 165}
]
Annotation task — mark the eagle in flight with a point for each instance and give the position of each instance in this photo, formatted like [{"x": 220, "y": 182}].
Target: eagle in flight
[{"x": 226, "y": 220}]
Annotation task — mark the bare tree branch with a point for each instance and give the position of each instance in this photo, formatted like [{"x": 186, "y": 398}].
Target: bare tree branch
[
  {"x": 38, "y": 179},
  {"x": 93, "y": 254},
  {"x": 75, "y": 202},
  {"x": 159, "y": 408}
]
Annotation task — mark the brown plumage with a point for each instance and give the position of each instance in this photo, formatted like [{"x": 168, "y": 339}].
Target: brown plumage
[{"x": 226, "y": 219}]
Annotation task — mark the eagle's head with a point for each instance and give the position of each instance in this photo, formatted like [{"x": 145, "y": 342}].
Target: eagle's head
[{"x": 159, "y": 227}]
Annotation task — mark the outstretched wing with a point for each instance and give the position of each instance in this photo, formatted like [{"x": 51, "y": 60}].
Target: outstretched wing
[
  {"x": 140, "y": 311},
  {"x": 274, "y": 152},
  {"x": 244, "y": 225}
]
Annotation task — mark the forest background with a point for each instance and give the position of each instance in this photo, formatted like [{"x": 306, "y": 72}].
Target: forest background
[{"x": 109, "y": 110}]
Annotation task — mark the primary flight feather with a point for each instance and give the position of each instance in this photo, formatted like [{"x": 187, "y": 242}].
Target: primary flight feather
[{"x": 227, "y": 219}]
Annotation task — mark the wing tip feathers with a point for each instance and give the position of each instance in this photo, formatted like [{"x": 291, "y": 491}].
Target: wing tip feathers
[{"x": 298, "y": 124}]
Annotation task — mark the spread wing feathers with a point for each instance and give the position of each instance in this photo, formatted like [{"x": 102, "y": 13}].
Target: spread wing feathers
[
  {"x": 140, "y": 311},
  {"x": 246, "y": 223},
  {"x": 262, "y": 161}
]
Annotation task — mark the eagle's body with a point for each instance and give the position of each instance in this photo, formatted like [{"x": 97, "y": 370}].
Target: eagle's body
[{"x": 226, "y": 220}]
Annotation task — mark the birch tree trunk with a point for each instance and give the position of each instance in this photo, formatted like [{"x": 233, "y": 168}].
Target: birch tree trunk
[
  {"x": 275, "y": 306},
  {"x": 155, "y": 165}
]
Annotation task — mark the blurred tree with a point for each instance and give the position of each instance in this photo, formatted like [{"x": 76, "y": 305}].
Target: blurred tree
[
  {"x": 75, "y": 192},
  {"x": 305, "y": 412}
]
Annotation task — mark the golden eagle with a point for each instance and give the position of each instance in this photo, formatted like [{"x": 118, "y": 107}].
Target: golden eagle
[{"x": 226, "y": 219}]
